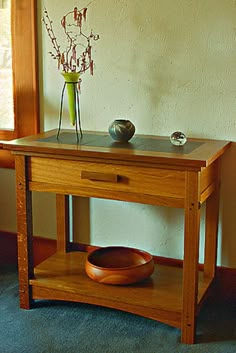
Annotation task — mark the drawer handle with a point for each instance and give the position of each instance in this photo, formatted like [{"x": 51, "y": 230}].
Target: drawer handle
[{"x": 96, "y": 176}]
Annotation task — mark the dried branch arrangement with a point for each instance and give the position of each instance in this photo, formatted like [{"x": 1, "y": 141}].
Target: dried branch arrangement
[{"x": 76, "y": 57}]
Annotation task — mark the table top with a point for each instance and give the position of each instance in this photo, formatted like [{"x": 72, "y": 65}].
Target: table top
[{"x": 141, "y": 148}]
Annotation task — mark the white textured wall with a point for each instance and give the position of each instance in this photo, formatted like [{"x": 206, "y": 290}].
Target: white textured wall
[{"x": 165, "y": 65}]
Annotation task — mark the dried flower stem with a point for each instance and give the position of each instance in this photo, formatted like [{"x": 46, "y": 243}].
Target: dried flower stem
[{"x": 69, "y": 59}]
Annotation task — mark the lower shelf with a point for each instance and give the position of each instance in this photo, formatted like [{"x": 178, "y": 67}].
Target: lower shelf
[{"x": 62, "y": 277}]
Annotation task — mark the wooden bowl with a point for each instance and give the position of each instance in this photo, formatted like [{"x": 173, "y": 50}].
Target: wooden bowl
[{"x": 119, "y": 265}]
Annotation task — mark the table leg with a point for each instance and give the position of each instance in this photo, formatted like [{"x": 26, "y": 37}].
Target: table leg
[
  {"x": 211, "y": 231},
  {"x": 24, "y": 232},
  {"x": 191, "y": 254},
  {"x": 62, "y": 211}
]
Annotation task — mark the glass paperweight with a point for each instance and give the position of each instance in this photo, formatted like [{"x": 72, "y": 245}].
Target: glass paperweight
[{"x": 178, "y": 138}]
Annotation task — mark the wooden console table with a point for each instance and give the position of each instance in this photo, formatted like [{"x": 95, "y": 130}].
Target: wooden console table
[{"x": 147, "y": 170}]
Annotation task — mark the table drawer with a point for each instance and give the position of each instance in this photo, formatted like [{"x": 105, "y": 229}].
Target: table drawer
[{"x": 113, "y": 177}]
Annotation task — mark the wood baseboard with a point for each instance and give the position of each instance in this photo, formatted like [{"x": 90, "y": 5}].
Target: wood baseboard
[
  {"x": 44, "y": 247},
  {"x": 226, "y": 284},
  {"x": 8, "y": 248}
]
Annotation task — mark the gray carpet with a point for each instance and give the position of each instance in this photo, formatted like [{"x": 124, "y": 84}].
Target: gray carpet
[{"x": 63, "y": 327}]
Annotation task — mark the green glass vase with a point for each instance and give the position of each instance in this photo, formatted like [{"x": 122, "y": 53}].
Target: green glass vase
[{"x": 71, "y": 80}]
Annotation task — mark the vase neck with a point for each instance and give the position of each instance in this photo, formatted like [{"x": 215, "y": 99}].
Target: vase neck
[{"x": 71, "y": 77}]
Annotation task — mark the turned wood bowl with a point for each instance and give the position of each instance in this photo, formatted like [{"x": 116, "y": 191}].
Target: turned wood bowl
[{"x": 119, "y": 265}]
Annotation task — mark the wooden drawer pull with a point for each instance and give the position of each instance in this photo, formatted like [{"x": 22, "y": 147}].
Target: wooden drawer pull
[{"x": 113, "y": 178}]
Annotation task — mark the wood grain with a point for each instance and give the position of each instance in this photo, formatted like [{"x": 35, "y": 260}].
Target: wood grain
[
  {"x": 132, "y": 179},
  {"x": 211, "y": 231},
  {"x": 24, "y": 232},
  {"x": 173, "y": 296},
  {"x": 98, "y": 176},
  {"x": 25, "y": 72},
  {"x": 191, "y": 254},
  {"x": 204, "y": 156},
  {"x": 25, "y": 75},
  {"x": 160, "y": 296},
  {"x": 62, "y": 209}
]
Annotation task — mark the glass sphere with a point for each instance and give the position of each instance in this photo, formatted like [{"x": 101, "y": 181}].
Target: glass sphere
[{"x": 178, "y": 138}]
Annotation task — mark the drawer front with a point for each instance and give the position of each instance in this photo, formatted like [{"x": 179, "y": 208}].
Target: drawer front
[{"x": 113, "y": 177}]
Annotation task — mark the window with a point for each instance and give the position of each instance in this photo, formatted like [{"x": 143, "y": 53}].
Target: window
[
  {"x": 6, "y": 96},
  {"x": 24, "y": 79}
]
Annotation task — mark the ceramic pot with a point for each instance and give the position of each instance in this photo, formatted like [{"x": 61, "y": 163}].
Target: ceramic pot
[{"x": 121, "y": 130}]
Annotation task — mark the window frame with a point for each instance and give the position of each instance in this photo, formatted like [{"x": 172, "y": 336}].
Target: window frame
[{"x": 25, "y": 75}]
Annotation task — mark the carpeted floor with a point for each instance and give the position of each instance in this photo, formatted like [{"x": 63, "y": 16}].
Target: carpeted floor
[{"x": 60, "y": 327}]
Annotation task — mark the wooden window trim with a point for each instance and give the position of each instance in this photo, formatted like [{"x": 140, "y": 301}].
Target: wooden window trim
[{"x": 25, "y": 75}]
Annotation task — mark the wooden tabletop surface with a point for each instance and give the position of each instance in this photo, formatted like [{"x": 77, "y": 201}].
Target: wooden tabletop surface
[{"x": 143, "y": 148}]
